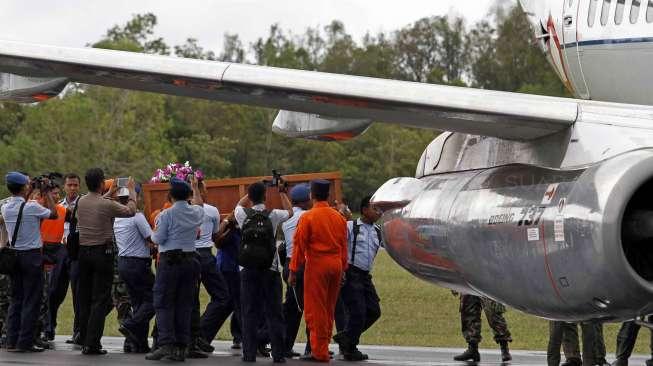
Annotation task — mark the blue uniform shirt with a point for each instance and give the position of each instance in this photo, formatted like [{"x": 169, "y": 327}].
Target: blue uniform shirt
[
  {"x": 177, "y": 227},
  {"x": 131, "y": 233},
  {"x": 228, "y": 255},
  {"x": 367, "y": 244},
  {"x": 29, "y": 233},
  {"x": 289, "y": 228},
  {"x": 210, "y": 226}
]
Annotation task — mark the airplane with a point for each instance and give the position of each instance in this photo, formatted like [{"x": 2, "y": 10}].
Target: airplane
[{"x": 541, "y": 203}]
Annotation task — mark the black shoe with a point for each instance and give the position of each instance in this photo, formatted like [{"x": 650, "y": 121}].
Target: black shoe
[
  {"x": 236, "y": 345},
  {"x": 573, "y": 362},
  {"x": 142, "y": 349},
  {"x": 92, "y": 351},
  {"x": 249, "y": 359},
  {"x": 291, "y": 354},
  {"x": 471, "y": 354},
  {"x": 160, "y": 353},
  {"x": 179, "y": 354},
  {"x": 355, "y": 355},
  {"x": 649, "y": 362},
  {"x": 41, "y": 343},
  {"x": 204, "y": 345},
  {"x": 279, "y": 360},
  {"x": 263, "y": 351},
  {"x": 32, "y": 349},
  {"x": 194, "y": 352},
  {"x": 129, "y": 335},
  {"x": 505, "y": 352}
]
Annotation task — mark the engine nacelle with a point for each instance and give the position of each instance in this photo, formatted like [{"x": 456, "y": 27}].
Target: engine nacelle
[
  {"x": 316, "y": 127},
  {"x": 23, "y": 89},
  {"x": 561, "y": 244}
]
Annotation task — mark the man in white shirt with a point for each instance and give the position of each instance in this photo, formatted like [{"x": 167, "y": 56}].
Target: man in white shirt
[
  {"x": 261, "y": 287},
  {"x": 133, "y": 238}
]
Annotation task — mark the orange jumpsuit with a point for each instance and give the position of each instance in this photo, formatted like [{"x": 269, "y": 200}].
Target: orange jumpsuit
[{"x": 320, "y": 243}]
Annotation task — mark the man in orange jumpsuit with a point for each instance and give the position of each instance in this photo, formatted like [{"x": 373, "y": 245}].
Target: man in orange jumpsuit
[{"x": 321, "y": 246}]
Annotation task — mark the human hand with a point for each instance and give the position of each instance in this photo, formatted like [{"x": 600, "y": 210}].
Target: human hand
[
  {"x": 131, "y": 184},
  {"x": 193, "y": 182}
]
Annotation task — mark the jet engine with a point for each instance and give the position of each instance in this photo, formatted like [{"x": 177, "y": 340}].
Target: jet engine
[
  {"x": 562, "y": 244},
  {"x": 23, "y": 89}
]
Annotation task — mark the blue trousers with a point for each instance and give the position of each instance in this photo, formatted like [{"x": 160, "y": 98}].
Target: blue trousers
[
  {"x": 174, "y": 289},
  {"x": 139, "y": 279},
  {"x": 219, "y": 307},
  {"x": 261, "y": 298},
  {"x": 58, "y": 286},
  {"x": 233, "y": 283},
  {"x": 74, "y": 290},
  {"x": 361, "y": 303},
  {"x": 26, "y": 293}
]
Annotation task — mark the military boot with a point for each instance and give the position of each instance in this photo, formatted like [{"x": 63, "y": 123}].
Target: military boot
[
  {"x": 471, "y": 354},
  {"x": 166, "y": 351},
  {"x": 505, "y": 352},
  {"x": 180, "y": 353}
]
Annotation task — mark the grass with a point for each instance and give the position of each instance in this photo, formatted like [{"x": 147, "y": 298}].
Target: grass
[{"x": 416, "y": 313}]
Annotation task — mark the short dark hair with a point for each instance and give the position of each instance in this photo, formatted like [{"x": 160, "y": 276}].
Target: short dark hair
[
  {"x": 72, "y": 176},
  {"x": 256, "y": 192},
  {"x": 320, "y": 196},
  {"x": 14, "y": 188},
  {"x": 180, "y": 193},
  {"x": 94, "y": 179},
  {"x": 365, "y": 202}
]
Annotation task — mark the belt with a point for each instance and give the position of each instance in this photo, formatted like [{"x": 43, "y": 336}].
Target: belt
[
  {"x": 177, "y": 253},
  {"x": 52, "y": 244},
  {"x": 139, "y": 258},
  {"x": 28, "y": 250},
  {"x": 204, "y": 250},
  {"x": 357, "y": 270}
]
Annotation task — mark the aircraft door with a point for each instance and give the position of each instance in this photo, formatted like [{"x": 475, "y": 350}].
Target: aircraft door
[{"x": 571, "y": 17}]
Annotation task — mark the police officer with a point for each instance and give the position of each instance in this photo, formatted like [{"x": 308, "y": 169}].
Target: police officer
[
  {"x": 470, "y": 317},
  {"x": 626, "y": 343},
  {"x": 22, "y": 220},
  {"x": 227, "y": 263},
  {"x": 5, "y": 284},
  {"x": 178, "y": 271},
  {"x": 565, "y": 334},
  {"x": 133, "y": 238},
  {"x": 300, "y": 195},
  {"x": 358, "y": 293},
  {"x": 261, "y": 288},
  {"x": 72, "y": 183},
  {"x": 218, "y": 309}
]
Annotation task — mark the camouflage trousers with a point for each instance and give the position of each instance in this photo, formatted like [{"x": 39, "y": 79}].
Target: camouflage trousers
[
  {"x": 5, "y": 299},
  {"x": 44, "y": 312},
  {"x": 470, "y": 317}
]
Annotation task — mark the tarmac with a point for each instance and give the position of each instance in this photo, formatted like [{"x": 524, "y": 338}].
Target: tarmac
[{"x": 65, "y": 355}]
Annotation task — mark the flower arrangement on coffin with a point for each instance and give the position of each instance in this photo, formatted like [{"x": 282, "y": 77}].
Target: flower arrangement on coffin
[{"x": 181, "y": 171}]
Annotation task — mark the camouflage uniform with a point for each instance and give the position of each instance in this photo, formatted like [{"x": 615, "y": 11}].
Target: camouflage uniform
[
  {"x": 470, "y": 316},
  {"x": 44, "y": 313},
  {"x": 565, "y": 334}
]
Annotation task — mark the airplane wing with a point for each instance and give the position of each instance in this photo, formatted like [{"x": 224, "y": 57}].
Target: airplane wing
[{"x": 341, "y": 97}]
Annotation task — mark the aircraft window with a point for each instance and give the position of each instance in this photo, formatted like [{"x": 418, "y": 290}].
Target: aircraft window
[
  {"x": 591, "y": 17},
  {"x": 619, "y": 12},
  {"x": 649, "y": 12},
  {"x": 605, "y": 11},
  {"x": 634, "y": 11}
]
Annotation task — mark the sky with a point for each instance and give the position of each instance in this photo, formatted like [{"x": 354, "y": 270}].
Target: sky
[{"x": 79, "y": 22}]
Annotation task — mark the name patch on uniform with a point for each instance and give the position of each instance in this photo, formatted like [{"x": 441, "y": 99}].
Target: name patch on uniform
[
  {"x": 559, "y": 228},
  {"x": 533, "y": 234}
]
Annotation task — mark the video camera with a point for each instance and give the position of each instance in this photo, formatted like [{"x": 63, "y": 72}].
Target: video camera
[{"x": 46, "y": 182}]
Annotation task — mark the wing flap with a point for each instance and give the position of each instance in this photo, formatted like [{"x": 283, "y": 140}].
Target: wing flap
[{"x": 475, "y": 111}]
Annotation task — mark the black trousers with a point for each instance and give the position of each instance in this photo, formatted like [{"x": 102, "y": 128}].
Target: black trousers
[
  {"x": 174, "y": 289},
  {"x": 361, "y": 302},
  {"x": 73, "y": 274},
  {"x": 139, "y": 279},
  {"x": 26, "y": 294},
  {"x": 233, "y": 283},
  {"x": 58, "y": 286},
  {"x": 293, "y": 308},
  {"x": 95, "y": 281},
  {"x": 219, "y": 307},
  {"x": 261, "y": 298},
  {"x": 626, "y": 339}
]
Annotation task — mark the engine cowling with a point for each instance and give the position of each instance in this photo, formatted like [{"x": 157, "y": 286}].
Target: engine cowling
[
  {"x": 561, "y": 244},
  {"x": 317, "y": 127},
  {"x": 24, "y": 89}
]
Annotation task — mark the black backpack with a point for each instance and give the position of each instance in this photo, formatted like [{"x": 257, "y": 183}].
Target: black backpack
[{"x": 257, "y": 245}]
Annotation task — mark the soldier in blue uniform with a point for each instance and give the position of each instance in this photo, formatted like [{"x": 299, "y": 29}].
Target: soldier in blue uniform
[
  {"x": 358, "y": 293},
  {"x": 178, "y": 271}
]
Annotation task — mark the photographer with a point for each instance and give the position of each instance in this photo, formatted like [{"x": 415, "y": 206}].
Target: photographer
[
  {"x": 95, "y": 217},
  {"x": 261, "y": 284},
  {"x": 27, "y": 281}
]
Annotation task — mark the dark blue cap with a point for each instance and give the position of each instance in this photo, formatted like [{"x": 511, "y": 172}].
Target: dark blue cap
[
  {"x": 320, "y": 187},
  {"x": 179, "y": 185},
  {"x": 16, "y": 178},
  {"x": 300, "y": 193}
]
